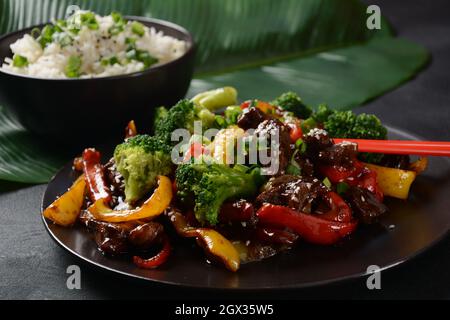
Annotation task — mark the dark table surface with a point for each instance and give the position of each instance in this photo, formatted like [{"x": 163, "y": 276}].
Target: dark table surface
[{"x": 32, "y": 266}]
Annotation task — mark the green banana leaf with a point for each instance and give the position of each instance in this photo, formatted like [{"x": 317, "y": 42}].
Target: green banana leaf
[{"x": 321, "y": 49}]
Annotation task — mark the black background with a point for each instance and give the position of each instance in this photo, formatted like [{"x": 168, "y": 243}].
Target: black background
[{"x": 32, "y": 266}]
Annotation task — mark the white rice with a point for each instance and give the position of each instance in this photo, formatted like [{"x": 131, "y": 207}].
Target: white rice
[{"x": 92, "y": 46}]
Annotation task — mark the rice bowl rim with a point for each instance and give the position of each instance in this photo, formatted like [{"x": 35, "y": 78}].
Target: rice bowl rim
[{"x": 190, "y": 44}]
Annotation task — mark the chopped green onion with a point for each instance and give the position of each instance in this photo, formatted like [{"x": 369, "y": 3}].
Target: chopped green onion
[
  {"x": 303, "y": 148},
  {"x": 113, "y": 61},
  {"x": 74, "y": 29},
  {"x": 131, "y": 54},
  {"x": 342, "y": 187},
  {"x": 110, "y": 61},
  {"x": 46, "y": 36},
  {"x": 88, "y": 19},
  {"x": 73, "y": 67},
  {"x": 141, "y": 56},
  {"x": 137, "y": 28},
  {"x": 119, "y": 24},
  {"x": 57, "y": 28},
  {"x": 115, "y": 30},
  {"x": 61, "y": 23},
  {"x": 65, "y": 41},
  {"x": 220, "y": 121},
  {"x": 232, "y": 113},
  {"x": 117, "y": 17},
  {"x": 300, "y": 145},
  {"x": 146, "y": 58},
  {"x": 293, "y": 169},
  {"x": 253, "y": 103},
  {"x": 327, "y": 182},
  {"x": 62, "y": 38},
  {"x": 20, "y": 61},
  {"x": 130, "y": 41}
]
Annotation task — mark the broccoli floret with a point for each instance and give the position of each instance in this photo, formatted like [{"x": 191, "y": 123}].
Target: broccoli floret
[
  {"x": 322, "y": 113},
  {"x": 340, "y": 124},
  {"x": 207, "y": 186},
  {"x": 140, "y": 160},
  {"x": 182, "y": 115},
  {"x": 291, "y": 102},
  {"x": 346, "y": 124},
  {"x": 160, "y": 113},
  {"x": 368, "y": 126}
]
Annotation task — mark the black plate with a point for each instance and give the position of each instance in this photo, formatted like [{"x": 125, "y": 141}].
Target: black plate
[{"x": 408, "y": 229}]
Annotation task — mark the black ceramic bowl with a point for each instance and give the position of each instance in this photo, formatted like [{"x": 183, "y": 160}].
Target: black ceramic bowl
[{"x": 74, "y": 109}]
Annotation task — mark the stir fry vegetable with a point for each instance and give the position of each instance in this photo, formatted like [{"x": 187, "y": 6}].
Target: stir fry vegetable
[
  {"x": 140, "y": 159},
  {"x": 94, "y": 176},
  {"x": 291, "y": 102},
  {"x": 209, "y": 186},
  {"x": 311, "y": 228},
  {"x": 130, "y": 130},
  {"x": 215, "y": 99},
  {"x": 156, "y": 260},
  {"x": 237, "y": 211},
  {"x": 213, "y": 242},
  {"x": 66, "y": 209},
  {"x": 151, "y": 208},
  {"x": 182, "y": 115},
  {"x": 393, "y": 182},
  {"x": 420, "y": 165}
]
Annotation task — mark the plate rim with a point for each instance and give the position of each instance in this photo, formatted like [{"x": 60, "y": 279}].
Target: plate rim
[{"x": 293, "y": 286}]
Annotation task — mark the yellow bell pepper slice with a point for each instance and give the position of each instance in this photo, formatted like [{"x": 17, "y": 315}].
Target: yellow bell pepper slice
[
  {"x": 219, "y": 247},
  {"x": 64, "y": 211},
  {"x": 393, "y": 182},
  {"x": 153, "y": 207},
  {"x": 419, "y": 166},
  {"x": 215, "y": 244}
]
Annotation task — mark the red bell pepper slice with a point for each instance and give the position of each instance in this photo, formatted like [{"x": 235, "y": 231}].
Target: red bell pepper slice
[
  {"x": 295, "y": 131},
  {"x": 265, "y": 107},
  {"x": 369, "y": 181},
  {"x": 95, "y": 176},
  {"x": 338, "y": 174},
  {"x": 358, "y": 175},
  {"x": 312, "y": 228},
  {"x": 156, "y": 260},
  {"x": 195, "y": 150},
  {"x": 339, "y": 209},
  {"x": 246, "y": 104},
  {"x": 130, "y": 130}
]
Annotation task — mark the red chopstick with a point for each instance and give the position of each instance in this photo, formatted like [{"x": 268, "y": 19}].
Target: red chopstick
[{"x": 420, "y": 148}]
